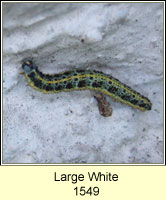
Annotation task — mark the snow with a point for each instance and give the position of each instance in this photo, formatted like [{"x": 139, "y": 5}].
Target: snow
[{"x": 122, "y": 39}]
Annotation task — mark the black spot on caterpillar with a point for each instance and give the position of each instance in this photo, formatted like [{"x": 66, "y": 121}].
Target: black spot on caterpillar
[{"x": 79, "y": 79}]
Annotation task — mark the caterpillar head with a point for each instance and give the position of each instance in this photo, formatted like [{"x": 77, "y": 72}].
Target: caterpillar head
[{"x": 28, "y": 66}]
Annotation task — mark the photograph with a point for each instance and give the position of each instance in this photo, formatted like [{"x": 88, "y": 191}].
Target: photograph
[{"x": 82, "y": 83}]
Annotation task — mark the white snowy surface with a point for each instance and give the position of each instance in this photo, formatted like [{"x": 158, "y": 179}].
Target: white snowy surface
[{"x": 122, "y": 39}]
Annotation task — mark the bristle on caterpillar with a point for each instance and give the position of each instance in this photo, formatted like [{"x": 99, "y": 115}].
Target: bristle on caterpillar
[{"x": 79, "y": 79}]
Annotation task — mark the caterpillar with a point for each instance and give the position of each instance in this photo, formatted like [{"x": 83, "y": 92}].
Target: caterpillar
[{"x": 79, "y": 79}]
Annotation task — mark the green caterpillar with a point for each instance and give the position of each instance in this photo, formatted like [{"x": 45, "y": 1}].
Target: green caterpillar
[{"x": 79, "y": 79}]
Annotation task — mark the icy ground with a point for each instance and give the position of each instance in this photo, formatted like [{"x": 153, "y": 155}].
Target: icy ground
[{"x": 122, "y": 39}]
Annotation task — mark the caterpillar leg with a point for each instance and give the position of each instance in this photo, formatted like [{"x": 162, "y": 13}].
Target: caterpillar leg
[{"x": 104, "y": 107}]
